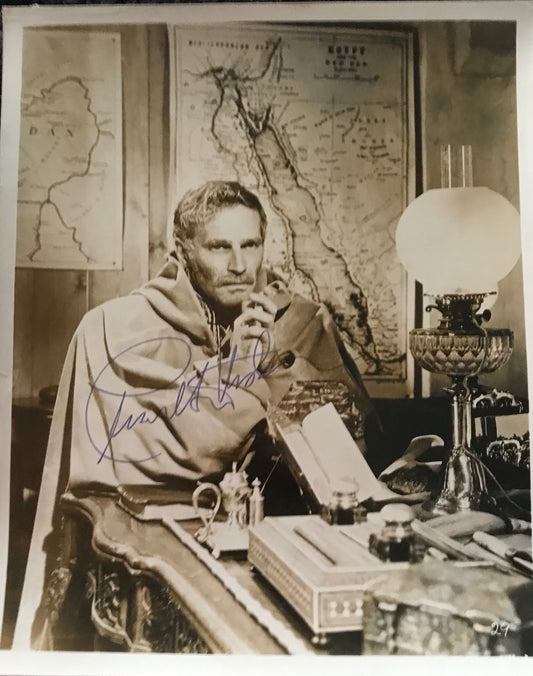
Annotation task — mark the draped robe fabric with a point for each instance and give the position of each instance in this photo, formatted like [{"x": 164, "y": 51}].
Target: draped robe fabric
[{"x": 142, "y": 399}]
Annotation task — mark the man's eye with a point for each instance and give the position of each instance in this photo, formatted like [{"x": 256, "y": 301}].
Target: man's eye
[
  {"x": 218, "y": 247},
  {"x": 251, "y": 245}
]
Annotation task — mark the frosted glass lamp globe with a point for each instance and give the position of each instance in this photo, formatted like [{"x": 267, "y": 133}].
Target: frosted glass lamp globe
[{"x": 459, "y": 240}]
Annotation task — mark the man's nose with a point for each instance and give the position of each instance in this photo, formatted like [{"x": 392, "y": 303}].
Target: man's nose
[{"x": 236, "y": 263}]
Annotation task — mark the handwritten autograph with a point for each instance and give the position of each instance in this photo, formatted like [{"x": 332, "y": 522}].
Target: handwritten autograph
[{"x": 190, "y": 388}]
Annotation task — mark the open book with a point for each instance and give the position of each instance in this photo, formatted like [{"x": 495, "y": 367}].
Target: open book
[{"x": 322, "y": 455}]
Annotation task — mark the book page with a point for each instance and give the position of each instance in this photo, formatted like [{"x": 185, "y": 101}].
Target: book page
[
  {"x": 339, "y": 454},
  {"x": 309, "y": 464}
]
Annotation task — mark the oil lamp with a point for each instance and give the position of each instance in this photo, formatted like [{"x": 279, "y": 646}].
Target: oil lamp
[{"x": 459, "y": 242}]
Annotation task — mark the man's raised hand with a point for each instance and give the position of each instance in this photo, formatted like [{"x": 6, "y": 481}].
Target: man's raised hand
[{"x": 253, "y": 331}]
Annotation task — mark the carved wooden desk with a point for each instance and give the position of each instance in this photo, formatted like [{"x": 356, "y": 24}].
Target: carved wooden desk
[
  {"x": 125, "y": 584},
  {"x": 141, "y": 589}
]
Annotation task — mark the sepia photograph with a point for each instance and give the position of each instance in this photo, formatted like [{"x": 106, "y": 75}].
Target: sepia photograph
[{"x": 264, "y": 358}]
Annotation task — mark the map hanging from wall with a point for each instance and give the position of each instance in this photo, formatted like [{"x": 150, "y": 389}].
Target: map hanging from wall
[
  {"x": 70, "y": 158},
  {"x": 318, "y": 123}
]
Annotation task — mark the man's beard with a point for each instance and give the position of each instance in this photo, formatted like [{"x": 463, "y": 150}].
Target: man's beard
[{"x": 225, "y": 314}]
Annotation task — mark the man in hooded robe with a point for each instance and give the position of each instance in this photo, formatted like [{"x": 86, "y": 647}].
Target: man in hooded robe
[{"x": 171, "y": 384}]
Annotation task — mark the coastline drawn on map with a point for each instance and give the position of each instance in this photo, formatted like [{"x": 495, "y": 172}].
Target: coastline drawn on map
[
  {"x": 317, "y": 124},
  {"x": 70, "y": 155}
]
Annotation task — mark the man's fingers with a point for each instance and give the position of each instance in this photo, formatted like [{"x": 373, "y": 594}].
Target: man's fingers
[
  {"x": 251, "y": 332},
  {"x": 256, "y": 315},
  {"x": 263, "y": 301}
]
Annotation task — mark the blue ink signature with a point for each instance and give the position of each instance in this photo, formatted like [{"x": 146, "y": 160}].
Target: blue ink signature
[{"x": 191, "y": 388}]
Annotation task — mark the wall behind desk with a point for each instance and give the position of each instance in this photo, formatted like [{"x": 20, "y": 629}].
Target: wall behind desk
[
  {"x": 467, "y": 95},
  {"x": 50, "y": 303}
]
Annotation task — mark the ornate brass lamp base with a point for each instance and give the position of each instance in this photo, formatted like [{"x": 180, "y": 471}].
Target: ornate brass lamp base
[
  {"x": 459, "y": 347},
  {"x": 464, "y": 487}
]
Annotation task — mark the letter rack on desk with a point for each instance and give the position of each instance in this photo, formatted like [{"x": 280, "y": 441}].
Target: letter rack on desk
[{"x": 321, "y": 570}]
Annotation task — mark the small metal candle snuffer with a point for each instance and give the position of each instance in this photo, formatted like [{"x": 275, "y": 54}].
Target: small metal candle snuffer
[
  {"x": 236, "y": 497},
  {"x": 396, "y": 541}
]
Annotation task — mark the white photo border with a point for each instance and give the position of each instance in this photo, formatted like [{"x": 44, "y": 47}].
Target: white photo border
[{"x": 15, "y": 19}]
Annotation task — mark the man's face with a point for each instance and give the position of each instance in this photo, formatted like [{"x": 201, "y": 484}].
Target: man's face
[{"x": 224, "y": 256}]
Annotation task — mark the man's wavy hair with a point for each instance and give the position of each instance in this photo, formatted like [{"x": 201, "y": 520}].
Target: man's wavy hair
[{"x": 197, "y": 207}]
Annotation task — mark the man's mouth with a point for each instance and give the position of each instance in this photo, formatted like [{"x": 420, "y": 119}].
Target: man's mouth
[{"x": 241, "y": 284}]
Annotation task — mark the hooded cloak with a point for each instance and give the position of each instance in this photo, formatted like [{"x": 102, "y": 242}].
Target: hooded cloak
[{"x": 144, "y": 399}]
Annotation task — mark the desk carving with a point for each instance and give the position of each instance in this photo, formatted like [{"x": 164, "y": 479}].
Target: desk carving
[
  {"x": 56, "y": 592},
  {"x": 159, "y": 624},
  {"x": 430, "y": 610},
  {"x": 133, "y": 610},
  {"x": 139, "y": 600},
  {"x": 129, "y": 607},
  {"x": 107, "y": 612}
]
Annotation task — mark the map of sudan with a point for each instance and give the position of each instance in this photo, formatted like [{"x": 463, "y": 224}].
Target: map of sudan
[
  {"x": 70, "y": 196},
  {"x": 65, "y": 132}
]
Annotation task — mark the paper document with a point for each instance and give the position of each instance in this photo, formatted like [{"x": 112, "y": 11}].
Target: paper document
[{"x": 327, "y": 455}]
